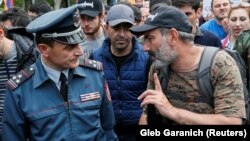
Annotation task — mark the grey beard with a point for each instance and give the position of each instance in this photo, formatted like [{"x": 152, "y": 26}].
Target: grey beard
[{"x": 158, "y": 63}]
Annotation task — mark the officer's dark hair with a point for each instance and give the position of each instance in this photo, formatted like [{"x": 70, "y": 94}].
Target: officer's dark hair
[
  {"x": 17, "y": 17},
  {"x": 195, "y": 4},
  {"x": 40, "y": 8},
  {"x": 42, "y": 40}
]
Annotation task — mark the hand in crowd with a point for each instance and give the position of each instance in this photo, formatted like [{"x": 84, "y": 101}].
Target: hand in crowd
[
  {"x": 224, "y": 23},
  {"x": 157, "y": 98}
]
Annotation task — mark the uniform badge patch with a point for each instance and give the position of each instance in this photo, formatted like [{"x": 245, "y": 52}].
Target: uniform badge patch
[{"x": 90, "y": 96}]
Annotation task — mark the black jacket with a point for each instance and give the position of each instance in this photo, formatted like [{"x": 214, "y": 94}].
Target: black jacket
[{"x": 25, "y": 47}]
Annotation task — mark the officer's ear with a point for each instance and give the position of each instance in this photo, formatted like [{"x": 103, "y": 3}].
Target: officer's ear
[{"x": 43, "y": 49}]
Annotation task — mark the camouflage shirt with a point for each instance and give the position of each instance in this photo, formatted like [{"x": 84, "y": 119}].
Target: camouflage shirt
[
  {"x": 183, "y": 90},
  {"x": 243, "y": 43}
]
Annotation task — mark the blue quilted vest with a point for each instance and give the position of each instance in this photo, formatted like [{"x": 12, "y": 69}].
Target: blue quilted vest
[{"x": 127, "y": 83}]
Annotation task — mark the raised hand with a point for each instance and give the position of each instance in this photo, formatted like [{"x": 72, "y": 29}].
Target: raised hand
[{"x": 156, "y": 97}]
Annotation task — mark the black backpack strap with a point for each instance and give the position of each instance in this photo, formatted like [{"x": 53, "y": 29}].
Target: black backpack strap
[
  {"x": 154, "y": 117},
  {"x": 163, "y": 76},
  {"x": 203, "y": 76}
]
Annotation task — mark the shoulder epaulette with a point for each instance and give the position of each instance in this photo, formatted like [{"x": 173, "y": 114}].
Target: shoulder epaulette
[
  {"x": 85, "y": 62},
  {"x": 20, "y": 77}
]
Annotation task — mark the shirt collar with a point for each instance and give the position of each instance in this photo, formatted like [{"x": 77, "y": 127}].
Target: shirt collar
[{"x": 54, "y": 74}]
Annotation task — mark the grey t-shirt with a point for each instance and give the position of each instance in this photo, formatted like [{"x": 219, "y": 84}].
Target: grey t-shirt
[{"x": 88, "y": 45}]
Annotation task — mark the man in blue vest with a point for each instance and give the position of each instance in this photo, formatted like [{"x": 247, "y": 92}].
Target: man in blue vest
[{"x": 126, "y": 68}]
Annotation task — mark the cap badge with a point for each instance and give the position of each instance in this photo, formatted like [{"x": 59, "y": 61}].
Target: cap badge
[
  {"x": 152, "y": 16},
  {"x": 85, "y": 4},
  {"x": 76, "y": 18}
]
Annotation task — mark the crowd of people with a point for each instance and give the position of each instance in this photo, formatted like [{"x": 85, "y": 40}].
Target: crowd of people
[{"x": 93, "y": 71}]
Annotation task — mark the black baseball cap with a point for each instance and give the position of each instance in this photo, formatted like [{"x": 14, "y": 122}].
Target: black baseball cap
[
  {"x": 166, "y": 17},
  {"x": 90, "y": 7}
]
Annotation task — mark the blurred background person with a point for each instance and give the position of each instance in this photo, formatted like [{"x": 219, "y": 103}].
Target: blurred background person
[
  {"x": 39, "y": 8},
  {"x": 92, "y": 24},
  {"x": 217, "y": 25},
  {"x": 15, "y": 17},
  {"x": 193, "y": 11},
  {"x": 238, "y": 21},
  {"x": 138, "y": 14},
  {"x": 106, "y": 9},
  {"x": 144, "y": 13},
  {"x": 139, "y": 3},
  {"x": 17, "y": 48},
  {"x": 205, "y": 17}
]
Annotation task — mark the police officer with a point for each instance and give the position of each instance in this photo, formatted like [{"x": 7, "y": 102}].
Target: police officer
[{"x": 62, "y": 96}]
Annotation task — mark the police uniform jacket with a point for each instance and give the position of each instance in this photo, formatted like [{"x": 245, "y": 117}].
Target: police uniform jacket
[{"x": 35, "y": 109}]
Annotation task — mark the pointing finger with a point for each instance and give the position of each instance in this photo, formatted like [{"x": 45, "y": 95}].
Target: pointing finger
[{"x": 157, "y": 83}]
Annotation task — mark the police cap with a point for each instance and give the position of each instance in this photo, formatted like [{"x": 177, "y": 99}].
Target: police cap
[{"x": 62, "y": 25}]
